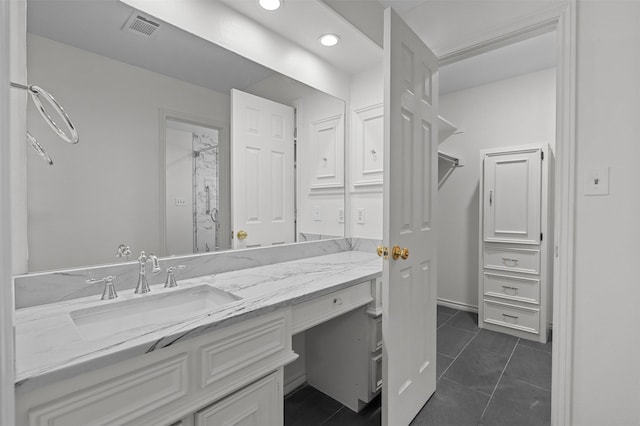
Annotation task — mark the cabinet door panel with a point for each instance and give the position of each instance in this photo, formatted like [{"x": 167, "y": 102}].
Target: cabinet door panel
[
  {"x": 512, "y": 197},
  {"x": 258, "y": 404}
]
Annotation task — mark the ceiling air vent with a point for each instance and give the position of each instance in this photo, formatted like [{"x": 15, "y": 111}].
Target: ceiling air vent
[{"x": 140, "y": 25}]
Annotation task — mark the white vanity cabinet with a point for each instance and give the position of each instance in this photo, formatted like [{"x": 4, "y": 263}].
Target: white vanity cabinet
[
  {"x": 172, "y": 383},
  {"x": 515, "y": 241}
]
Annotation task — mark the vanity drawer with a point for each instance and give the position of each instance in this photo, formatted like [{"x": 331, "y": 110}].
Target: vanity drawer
[
  {"x": 512, "y": 316},
  {"x": 307, "y": 314},
  {"x": 513, "y": 288},
  {"x": 526, "y": 261},
  {"x": 376, "y": 373},
  {"x": 123, "y": 399}
]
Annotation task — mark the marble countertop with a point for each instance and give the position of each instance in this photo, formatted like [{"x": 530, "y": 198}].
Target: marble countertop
[{"x": 50, "y": 347}]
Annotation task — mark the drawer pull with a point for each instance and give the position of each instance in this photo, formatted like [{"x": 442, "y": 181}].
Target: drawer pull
[
  {"x": 337, "y": 301},
  {"x": 513, "y": 317},
  {"x": 513, "y": 291},
  {"x": 511, "y": 263}
]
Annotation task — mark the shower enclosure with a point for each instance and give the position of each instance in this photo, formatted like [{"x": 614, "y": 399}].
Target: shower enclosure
[{"x": 192, "y": 188}]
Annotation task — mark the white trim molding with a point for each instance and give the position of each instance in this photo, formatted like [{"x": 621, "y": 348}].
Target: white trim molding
[
  {"x": 7, "y": 393},
  {"x": 560, "y": 18}
]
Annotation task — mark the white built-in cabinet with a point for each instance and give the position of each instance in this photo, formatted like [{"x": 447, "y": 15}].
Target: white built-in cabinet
[
  {"x": 227, "y": 376},
  {"x": 515, "y": 241}
]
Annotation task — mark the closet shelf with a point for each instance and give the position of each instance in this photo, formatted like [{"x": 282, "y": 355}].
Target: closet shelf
[{"x": 445, "y": 129}]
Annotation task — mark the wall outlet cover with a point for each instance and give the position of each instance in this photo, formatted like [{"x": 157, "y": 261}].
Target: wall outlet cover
[
  {"x": 316, "y": 214},
  {"x": 181, "y": 202}
]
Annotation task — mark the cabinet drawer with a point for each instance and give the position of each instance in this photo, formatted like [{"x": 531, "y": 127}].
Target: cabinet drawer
[
  {"x": 526, "y": 261},
  {"x": 512, "y": 316},
  {"x": 376, "y": 373},
  {"x": 239, "y": 349},
  {"x": 307, "y": 314},
  {"x": 513, "y": 288},
  {"x": 121, "y": 400},
  {"x": 258, "y": 404}
]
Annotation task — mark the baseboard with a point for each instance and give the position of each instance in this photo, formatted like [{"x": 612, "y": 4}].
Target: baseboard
[
  {"x": 457, "y": 305},
  {"x": 293, "y": 383}
]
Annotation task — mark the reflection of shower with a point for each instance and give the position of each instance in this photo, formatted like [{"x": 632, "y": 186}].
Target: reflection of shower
[{"x": 205, "y": 191}]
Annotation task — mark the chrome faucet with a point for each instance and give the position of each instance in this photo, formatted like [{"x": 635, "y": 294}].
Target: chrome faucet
[
  {"x": 123, "y": 251},
  {"x": 171, "y": 282},
  {"x": 143, "y": 284},
  {"x": 109, "y": 291}
]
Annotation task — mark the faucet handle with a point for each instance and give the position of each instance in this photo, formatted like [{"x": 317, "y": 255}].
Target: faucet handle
[
  {"x": 109, "y": 291},
  {"x": 171, "y": 279},
  {"x": 123, "y": 251}
]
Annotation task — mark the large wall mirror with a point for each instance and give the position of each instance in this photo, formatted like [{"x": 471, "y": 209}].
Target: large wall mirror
[{"x": 159, "y": 142}]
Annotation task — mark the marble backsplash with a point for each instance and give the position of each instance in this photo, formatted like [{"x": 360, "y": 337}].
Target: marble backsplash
[{"x": 55, "y": 286}]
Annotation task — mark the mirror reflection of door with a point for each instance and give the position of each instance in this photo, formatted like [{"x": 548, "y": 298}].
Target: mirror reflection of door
[
  {"x": 263, "y": 178},
  {"x": 192, "y": 197}
]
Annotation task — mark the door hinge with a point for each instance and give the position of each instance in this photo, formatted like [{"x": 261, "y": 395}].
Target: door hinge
[
  {"x": 542, "y": 155},
  {"x": 541, "y": 236}
]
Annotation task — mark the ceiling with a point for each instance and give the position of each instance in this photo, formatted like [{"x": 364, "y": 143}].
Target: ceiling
[
  {"x": 444, "y": 24},
  {"x": 95, "y": 25}
]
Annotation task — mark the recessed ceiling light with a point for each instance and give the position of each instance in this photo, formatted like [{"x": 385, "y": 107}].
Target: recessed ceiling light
[
  {"x": 270, "y": 4},
  {"x": 329, "y": 39}
]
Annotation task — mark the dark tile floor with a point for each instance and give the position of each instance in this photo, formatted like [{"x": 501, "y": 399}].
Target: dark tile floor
[{"x": 484, "y": 379}]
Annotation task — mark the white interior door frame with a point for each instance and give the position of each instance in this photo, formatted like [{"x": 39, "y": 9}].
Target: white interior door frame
[
  {"x": 223, "y": 172},
  {"x": 562, "y": 20},
  {"x": 7, "y": 393}
]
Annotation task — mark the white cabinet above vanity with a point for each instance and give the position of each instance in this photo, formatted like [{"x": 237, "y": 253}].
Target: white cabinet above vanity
[{"x": 198, "y": 370}]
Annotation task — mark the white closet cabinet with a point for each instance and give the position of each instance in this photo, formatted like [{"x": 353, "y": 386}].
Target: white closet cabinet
[{"x": 515, "y": 241}]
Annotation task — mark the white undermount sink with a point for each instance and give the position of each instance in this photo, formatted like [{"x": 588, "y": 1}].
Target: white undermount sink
[{"x": 149, "y": 311}]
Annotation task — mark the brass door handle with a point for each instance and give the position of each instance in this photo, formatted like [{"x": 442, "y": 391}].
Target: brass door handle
[
  {"x": 397, "y": 252},
  {"x": 383, "y": 251},
  {"x": 242, "y": 235}
]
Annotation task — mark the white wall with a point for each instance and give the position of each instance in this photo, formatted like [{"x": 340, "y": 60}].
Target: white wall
[
  {"x": 179, "y": 184},
  {"x": 516, "y": 111},
  {"x": 105, "y": 190},
  {"x": 606, "y": 344}
]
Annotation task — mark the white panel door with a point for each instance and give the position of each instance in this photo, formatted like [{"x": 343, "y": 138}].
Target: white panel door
[
  {"x": 410, "y": 181},
  {"x": 512, "y": 197},
  {"x": 262, "y": 173}
]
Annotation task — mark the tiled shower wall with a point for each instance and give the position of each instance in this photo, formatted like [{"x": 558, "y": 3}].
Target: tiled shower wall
[{"x": 205, "y": 179}]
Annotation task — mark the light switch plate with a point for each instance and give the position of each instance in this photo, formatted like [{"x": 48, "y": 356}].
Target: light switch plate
[
  {"x": 340, "y": 215},
  {"x": 597, "y": 181},
  {"x": 360, "y": 216}
]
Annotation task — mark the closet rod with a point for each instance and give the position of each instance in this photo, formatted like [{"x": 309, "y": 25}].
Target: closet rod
[{"x": 453, "y": 160}]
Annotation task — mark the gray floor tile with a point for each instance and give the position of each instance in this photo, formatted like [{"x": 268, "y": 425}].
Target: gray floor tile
[
  {"x": 530, "y": 366},
  {"x": 545, "y": 347},
  {"x": 371, "y": 415},
  {"x": 477, "y": 368},
  {"x": 452, "y": 340},
  {"x": 452, "y": 405},
  {"x": 464, "y": 320},
  {"x": 447, "y": 310},
  {"x": 518, "y": 403},
  {"x": 499, "y": 343},
  {"x": 443, "y": 318},
  {"x": 309, "y": 407},
  {"x": 442, "y": 363}
]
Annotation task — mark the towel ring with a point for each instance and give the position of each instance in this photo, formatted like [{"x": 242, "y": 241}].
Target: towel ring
[
  {"x": 36, "y": 93},
  {"x": 39, "y": 149}
]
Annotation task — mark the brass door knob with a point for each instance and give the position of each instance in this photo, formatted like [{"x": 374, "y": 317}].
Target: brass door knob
[
  {"x": 383, "y": 251},
  {"x": 397, "y": 252},
  {"x": 242, "y": 234}
]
